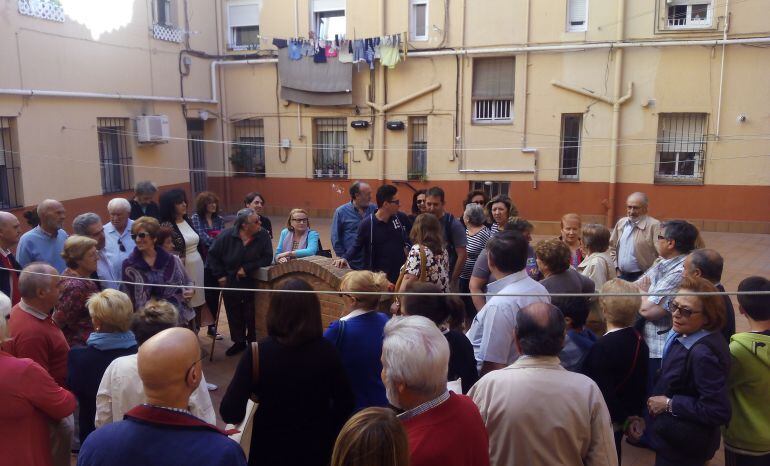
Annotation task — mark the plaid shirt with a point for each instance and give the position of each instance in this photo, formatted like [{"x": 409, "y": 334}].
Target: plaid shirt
[
  {"x": 202, "y": 228},
  {"x": 665, "y": 276}
]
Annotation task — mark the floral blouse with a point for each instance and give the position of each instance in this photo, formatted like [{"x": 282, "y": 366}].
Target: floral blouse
[
  {"x": 436, "y": 268},
  {"x": 71, "y": 314}
]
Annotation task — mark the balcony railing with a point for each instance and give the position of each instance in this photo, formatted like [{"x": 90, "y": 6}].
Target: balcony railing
[{"x": 44, "y": 9}]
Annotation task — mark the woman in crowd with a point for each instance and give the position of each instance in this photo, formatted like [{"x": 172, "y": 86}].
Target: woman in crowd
[
  {"x": 445, "y": 311},
  {"x": 598, "y": 264},
  {"x": 111, "y": 312},
  {"x": 358, "y": 336},
  {"x": 428, "y": 242},
  {"x": 525, "y": 228},
  {"x": 256, "y": 202},
  {"x": 499, "y": 209},
  {"x": 121, "y": 388},
  {"x": 30, "y": 401},
  {"x": 570, "y": 234},
  {"x": 297, "y": 239},
  {"x": 71, "y": 314},
  {"x": 553, "y": 260},
  {"x": 475, "y": 197},
  {"x": 150, "y": 265},
  {"x": 165, "y": 241},
  {"x": 477, "y": 236},
  {"x": 187, "y": 244},
  {"x": 418, "y": 204},
  {"x": 372, "y": 437},
  {"x": 208, "y": 224},
  {"x": 690, "y": 402},
  {"x": 617, "y": 362},
  {"x": 304, "y": 396}
]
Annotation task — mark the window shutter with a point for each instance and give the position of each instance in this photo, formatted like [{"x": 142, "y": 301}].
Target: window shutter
[
  {"x": 577, "y": 12},
  {"x": 493, "y": 78},
  {"x": 244, "y": 14},
  {"x": 328, "y": 5}
]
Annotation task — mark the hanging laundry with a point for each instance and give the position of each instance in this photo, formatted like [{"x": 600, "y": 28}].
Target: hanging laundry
[
  {"x": 376, "y": 47},
  {"x": 359, "y": 50},
  {"x": 331, "y": 50},
  {"x": 369, "y": 52},
  {"x": 389, "y": 54},
  {"x": 295, "y": 50},
  {"x": 320, "y": 54},
  {"x": 345, "y": 52},
  {"x": 280, "y": 43}
]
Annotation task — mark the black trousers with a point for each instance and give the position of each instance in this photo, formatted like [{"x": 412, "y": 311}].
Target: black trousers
[
  {"x": 470, "y": 309},
  {"x": 211, "y": 296},
  {"x": 239, "y": 306},
  {"x": 630, "y": 276}
]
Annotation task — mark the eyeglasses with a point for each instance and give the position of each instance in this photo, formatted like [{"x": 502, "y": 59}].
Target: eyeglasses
[
  {"x": 661, "y": 237},
  {"x": 481, "y": 202},
  {"x": 193, "y": 365},
  {"x": 299, "y": 220},
  {"x": 121, "y": 246},
  {"x": 686, "y": 312},
  {"x": 420, "y": 201},
  {"x": 396, "y": 201},
  {"x": 141, "y": 235}
]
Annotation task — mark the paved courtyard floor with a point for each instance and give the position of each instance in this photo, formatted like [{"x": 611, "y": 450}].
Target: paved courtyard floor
[{"x": 745, "y": 255}]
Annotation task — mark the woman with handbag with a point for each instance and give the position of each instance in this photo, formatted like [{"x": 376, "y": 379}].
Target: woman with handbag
[
  {"x": 358, "y": 335},
  {"x": 690, "y": 399},
  {"x": 297, "y": 379},
  {"x": 428, "y": 260}
]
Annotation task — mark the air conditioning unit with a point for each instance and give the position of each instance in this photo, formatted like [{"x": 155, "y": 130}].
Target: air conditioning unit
[{"x": 152, "y": 129}]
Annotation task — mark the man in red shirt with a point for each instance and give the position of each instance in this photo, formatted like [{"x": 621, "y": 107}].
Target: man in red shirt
[
  {"x": 35, "y": 336},
  {"x": 443, "y": 427}
]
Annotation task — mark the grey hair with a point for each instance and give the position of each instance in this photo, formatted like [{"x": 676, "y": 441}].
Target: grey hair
[
  {"x": 5, "y": 311},
  {"x": 83, "y": 221},
  {"x": 145, "y": 187},
  {"x": 475, "y": 214},
  {"x": 30, "y": 282},
  {"x": 415, "y": 353},
  {"x": 642, "y": 196},
  {"x": 118, "y": 203},
  {"x": 46, "y": 204},
  {"x": 242, "y": 216}
]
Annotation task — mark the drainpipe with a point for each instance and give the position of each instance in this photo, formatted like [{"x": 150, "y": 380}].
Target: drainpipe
[
  {"x": 381, "y": 97},
  {"x": 616, "y": 97},
  {"x": 722, "y": 66}
]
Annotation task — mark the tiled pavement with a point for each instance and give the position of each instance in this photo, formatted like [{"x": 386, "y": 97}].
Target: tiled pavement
[{"x": 745, "y": 255}]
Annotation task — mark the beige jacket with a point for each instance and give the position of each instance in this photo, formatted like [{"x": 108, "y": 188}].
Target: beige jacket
[
  {"x": 538, "y": 413},
  {"x": 645, "y": 238},
  {"x": 599, "y": 267}
]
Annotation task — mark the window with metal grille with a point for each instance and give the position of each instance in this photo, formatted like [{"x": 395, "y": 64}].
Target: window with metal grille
[
  {"x": 248, "y": 152},
  {"x": 330, "y": 157},
  {"x": 418, "y": 20},
  {"x": 163, "y": 13},
  {"x": 681, "y": 147},
  {"x": 418, "y": 148},
  {"x": 686, "y": 14},
  {"x": 577, "y": 15},
  {"x": 196, "y": 155},
  {"x": 10, "y": 167},
  {"x": 569, "y": 149},
  {"x": 243, "y": 21},
  {"x": 493, "y": 87},
  {"x": 492, "y": 188},
  {"x": 115, "y": 161}
]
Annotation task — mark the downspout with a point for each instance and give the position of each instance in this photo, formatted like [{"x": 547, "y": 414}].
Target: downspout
[
  {"x": 222, "y": 107},
  {"x": 616, "y": 97},
  {"x": 300, "y": 136},
  {"x": 722, "y": 66},
  {"x": 381, "y": 91},
  {"x": 524, "y": 148}
]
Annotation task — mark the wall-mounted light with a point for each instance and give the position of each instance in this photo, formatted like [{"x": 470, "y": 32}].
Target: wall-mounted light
[
  {"x": 395, "y": 125},
  {"x": 359, "y": 124}
]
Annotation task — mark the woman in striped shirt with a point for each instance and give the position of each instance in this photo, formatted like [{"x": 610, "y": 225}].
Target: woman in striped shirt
[{"x": 477, "y": 236}]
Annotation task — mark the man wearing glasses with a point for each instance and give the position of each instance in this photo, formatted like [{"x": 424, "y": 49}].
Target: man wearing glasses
[
  {"x": 118, "y": 245},
  {"x": 348, "y": 217},
  {"x": 632, "y": 243},
  {"x": 382, "y": 238},
  {"x": 90, "y": 225}
]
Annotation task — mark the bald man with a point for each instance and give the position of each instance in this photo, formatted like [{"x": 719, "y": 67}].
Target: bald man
[
  {"x": 163, "y": 431},
  {"x": 10, "y": 231},
  {"x": 523, "y": 428},
  {"x": 45, "y": 242},
  {"x": 708, "y": 264},
  {"x": 632, "y": 243}
]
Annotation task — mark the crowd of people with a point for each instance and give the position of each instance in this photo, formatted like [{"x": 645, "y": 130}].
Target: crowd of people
[{"x": 567, "y": 346}]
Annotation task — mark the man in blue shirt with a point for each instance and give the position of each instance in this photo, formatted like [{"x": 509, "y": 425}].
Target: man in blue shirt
[
  {"x": 45, "y": 242},
  {"x": 347, "y": 218}
]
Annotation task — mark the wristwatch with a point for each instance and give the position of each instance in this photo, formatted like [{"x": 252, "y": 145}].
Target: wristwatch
[{"x": 668, "y": 406}]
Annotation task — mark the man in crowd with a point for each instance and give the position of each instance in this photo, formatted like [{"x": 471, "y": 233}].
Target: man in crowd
[
  {"x": 10, "y": 231},
  {"x": 348, "y": 217},
  {"x": 708, "y": 263},
  {"x": 34, "y": 335},
  {"x": 89, "y": 224},
  {"x": 454, "y": 232},
  {"x": 442, "y": 427},
  {"x": 674, "y": 241},
  {"x": 237, "y": 253},
  {"x": 491, "y": 332},
  {"x": 119, "y": 244},
  {"x": 45, "y": 242},
  {"x": 632, "y": 243},
  {"x": 535, "y": 411},
  {"x": 170, "y": 368},
  {"x": 143, "y": 204},
  {"x": 382, "y": 237}
]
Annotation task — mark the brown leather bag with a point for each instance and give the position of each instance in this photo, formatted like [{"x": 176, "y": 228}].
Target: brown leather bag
[{"x": 395, "y": 308}]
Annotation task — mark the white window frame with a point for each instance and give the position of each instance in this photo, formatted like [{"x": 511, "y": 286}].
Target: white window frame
[
  {"x": 581, "y": 27},
  {"x": 687, "y": 22},
  {"x": 566, "y": 145},
  {"x": 168, "y": 15},
  {"x": 492, "y": 111},
  {"x": 231, "y": 30},
  {"x": 323, "y": 8},
  {"x": 413, "y": 20},
  {"x": 686, "y": 140}
]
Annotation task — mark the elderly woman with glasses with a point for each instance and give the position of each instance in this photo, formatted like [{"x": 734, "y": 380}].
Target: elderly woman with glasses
[
  {"x": 297, "y": 239},
  {"x": 149, "y": 265},
  {"x": 690, "y": 400},
  {"x": 71, "y": 314}
]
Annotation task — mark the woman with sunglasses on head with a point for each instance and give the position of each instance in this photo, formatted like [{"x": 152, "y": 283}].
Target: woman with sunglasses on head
[
  {"x": 690, "y": 401},
  {"x": 418, "y": 204},
  {"x": 149, "y": 264},
  {"x": 297, "y": 239}
]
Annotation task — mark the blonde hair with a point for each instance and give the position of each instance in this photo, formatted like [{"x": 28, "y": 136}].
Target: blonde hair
[
  {"x": 158, "y": 311},
  {"x": 571, "y": 216},
  {"x": 291, "y": 214},
  {"x": 146, "y": 223},
  {"x": 620, "y": 310},
  {"x": 366, "y": 281},
  {"x": 75, "y": 249},
  {"x": 113, "y": 309},
  {"x": 372, "y": 437}
]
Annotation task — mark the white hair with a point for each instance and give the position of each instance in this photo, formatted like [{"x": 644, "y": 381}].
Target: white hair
[
  {"x": 5, "y": 311},
  {"x": 119, "y": 204},
  {"x": 415, "y": 353}
]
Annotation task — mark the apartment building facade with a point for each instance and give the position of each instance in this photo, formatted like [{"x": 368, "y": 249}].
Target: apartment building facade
[{"x": 565, "y": 105}]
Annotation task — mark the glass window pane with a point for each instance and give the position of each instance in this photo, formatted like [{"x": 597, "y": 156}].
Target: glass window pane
[
  {"x": 699, "y": 12},
  {"x": 420, "y": 20},
  {"x": 667, "y": 165},
  {"x": 246, "y": 35}
]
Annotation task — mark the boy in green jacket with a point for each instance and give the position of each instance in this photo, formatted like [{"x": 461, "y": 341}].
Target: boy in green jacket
[{"x": 747, "y": 436}]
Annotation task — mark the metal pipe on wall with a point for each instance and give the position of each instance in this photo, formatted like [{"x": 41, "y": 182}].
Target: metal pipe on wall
[
  {"x": 615, "y": 131},
  {"x": 722, "y": 67}
]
